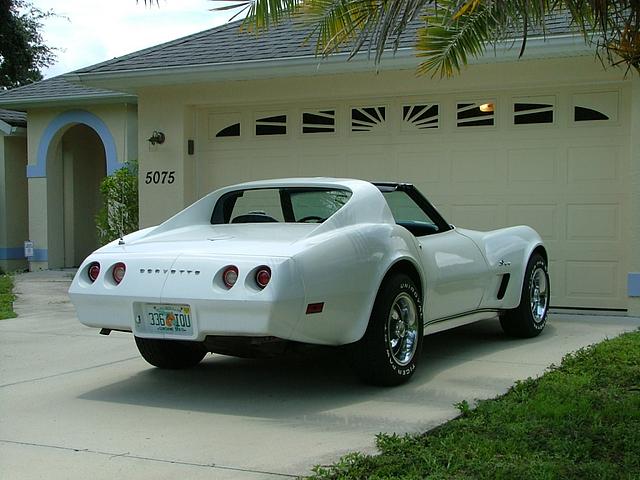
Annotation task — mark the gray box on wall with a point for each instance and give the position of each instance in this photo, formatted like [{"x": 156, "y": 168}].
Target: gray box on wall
[{"x": 633, "y": 284}]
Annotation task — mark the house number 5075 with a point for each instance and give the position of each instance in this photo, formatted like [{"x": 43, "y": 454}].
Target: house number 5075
[{"x": 157, "y": 177}]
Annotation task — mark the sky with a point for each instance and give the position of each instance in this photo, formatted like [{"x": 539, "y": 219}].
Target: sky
[{"x": 89, "y": 32}]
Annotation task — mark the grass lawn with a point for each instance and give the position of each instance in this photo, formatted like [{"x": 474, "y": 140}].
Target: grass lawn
[
  {"x": 580, "y": 420},
  {"x": 6, "y": 297}
]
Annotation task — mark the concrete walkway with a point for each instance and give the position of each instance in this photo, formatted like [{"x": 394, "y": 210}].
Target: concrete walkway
[{"x": 77, "y": 405}]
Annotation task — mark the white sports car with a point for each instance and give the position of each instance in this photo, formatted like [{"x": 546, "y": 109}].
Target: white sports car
[{"x": 313, "y": 261}]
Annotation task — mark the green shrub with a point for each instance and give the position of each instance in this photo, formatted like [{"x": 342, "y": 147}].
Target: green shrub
[{"x": 119, "y": 213}]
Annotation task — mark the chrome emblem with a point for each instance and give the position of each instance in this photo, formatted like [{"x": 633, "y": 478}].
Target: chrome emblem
[{"x": 165, "y": 271}]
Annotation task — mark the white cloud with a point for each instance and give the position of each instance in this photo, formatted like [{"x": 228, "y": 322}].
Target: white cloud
[{"x": 96, "y": 31}]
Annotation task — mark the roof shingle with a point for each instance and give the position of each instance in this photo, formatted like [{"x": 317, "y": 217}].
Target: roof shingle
[
  {"x": 221, "y": 45},
  {"x": 13, "y": 118},
  {"x": 227, "y": 44}
]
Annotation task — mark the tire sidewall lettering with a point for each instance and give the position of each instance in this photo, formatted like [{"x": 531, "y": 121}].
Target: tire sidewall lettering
[{"x": 408, "y": 369}]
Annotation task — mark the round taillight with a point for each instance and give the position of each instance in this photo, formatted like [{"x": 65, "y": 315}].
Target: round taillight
[
  {"x": 119, "y": 269},
  {"x": 263, "y": 275},
  {"x": 93, "y": 271},
  {"x": 230, "y": 276}
]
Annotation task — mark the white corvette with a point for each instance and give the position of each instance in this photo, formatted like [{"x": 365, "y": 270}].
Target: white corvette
[{"x": 316, "y": 261}]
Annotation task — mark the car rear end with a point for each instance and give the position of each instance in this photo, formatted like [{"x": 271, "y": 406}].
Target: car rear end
[{"x": 189, "y": 296}]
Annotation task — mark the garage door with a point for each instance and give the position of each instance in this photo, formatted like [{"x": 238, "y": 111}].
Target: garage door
[{"x": 555, "y": 160}]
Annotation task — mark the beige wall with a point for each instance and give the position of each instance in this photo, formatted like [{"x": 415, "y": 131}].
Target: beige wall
[
  {"x": 46, "y": 220},
  {"x": 13, "y": 198},
  {"x": 634, "y": 179}
]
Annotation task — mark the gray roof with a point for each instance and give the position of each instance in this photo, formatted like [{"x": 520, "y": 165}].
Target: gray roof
[
  {"x": 53, "y": 90},
  {"x": 227, "y": 44},
  {"x": 218, "y": 46},
  {"x": 13, "y": 118}
]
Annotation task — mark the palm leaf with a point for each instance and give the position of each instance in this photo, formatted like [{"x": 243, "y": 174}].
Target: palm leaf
[{"x": 446, "y": 43}]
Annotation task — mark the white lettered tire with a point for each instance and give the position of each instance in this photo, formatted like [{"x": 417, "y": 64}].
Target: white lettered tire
[
  {"x": 388, "y": 353},
  {"x": 530, "y": 317}
]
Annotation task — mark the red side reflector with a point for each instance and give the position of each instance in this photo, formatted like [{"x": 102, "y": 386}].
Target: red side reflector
[{"x": 315, "y": 308}]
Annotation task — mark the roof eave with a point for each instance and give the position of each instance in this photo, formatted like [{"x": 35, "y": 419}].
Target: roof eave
[
  {"x": 54, "y": 101},
  {"x": 9, "y": 130},
  {"x": 405, "y": 58}
]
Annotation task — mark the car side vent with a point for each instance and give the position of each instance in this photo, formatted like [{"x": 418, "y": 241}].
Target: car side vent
[{"x": 503, "y": 285}]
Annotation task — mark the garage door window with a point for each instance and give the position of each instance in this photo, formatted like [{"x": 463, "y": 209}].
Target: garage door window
[
  {"x": 476, "y": 114},
  {"x": 230, "y": 131},
  {"x": 320, "y": 121},
  {"x": 528, "y": 113},
  {"x": 273, "y": 125},
  {"x": 367, "y": 119},
  {"x": 420, "y": 117},
  {"x": 595, "y": 107}
]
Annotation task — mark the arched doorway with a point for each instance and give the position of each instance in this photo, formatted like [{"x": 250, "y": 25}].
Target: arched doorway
[{"x": 75, "y": 167}]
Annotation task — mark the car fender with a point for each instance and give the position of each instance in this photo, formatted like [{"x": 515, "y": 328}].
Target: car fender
[
  {"x": 507, "y": 251},
  {"x": 344, "y": 272}
]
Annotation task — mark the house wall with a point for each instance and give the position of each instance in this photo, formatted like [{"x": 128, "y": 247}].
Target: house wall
[
  {"x": 634, "y": 223},
  {"x": 13, "y": 202},
  {"x": 46, "y": 183}
]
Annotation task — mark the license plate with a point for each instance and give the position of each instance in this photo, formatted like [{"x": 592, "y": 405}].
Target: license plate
[{"x": 165, "y": 319}]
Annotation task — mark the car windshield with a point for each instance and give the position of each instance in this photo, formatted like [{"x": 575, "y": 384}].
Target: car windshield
[{"x": 284, "y": 204}]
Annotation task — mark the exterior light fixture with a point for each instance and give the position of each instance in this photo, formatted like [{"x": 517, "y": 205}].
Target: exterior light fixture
[
  {"x": 156, "y": 138},
  {"x": 487, "y": 107}
]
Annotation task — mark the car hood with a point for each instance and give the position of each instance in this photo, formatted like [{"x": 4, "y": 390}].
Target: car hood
[{"x": 269, "y": 239}]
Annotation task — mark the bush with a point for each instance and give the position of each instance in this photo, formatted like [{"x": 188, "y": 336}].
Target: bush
[{"x": 119, "y": 213}]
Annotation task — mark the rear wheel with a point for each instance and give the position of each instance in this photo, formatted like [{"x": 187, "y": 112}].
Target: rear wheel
[
  {"x": 389, "y": 351},
  {"x": 170, "y": 354},
  {"x": 530, "y": 317}
]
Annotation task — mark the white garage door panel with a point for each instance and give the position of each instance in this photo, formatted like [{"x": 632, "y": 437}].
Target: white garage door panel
[
  {"x": 533, "y": 165},
  {"x": 566, "y": 180}
]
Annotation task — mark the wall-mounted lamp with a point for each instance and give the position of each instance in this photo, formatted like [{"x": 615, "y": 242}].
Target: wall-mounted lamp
[
  {"x": 486, "y": 107},
  {"x": 156, "y": 138}
]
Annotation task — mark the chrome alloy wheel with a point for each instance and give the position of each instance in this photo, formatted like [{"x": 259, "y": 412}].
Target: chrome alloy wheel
[
  {"x": 402, "y": 328},
  {"x": 539, "y": 294}
]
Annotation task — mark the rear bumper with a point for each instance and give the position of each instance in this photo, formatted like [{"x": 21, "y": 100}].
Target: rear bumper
[
  {"x": 210, "y": 317},
  {"x": 243, "y": 310}
]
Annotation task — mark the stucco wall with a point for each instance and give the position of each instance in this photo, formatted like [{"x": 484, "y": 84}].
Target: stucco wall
[
  {"x": 46, "y": 220},
  {"x": 634, "y": 224},
  {"x": 13, "y": 201}
]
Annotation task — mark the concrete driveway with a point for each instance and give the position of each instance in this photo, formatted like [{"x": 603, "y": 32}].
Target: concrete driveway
[{"x": 74, "y": 404}]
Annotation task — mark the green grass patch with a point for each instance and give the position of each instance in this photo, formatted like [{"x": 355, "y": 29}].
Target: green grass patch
[
  {"x": 6, "y": 297},
  {"x": 580, "y": 420}
]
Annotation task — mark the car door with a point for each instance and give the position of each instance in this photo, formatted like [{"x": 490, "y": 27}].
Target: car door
[{"x": 456, "y": 271}]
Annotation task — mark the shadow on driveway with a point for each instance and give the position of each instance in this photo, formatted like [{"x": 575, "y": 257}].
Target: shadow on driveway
[{"x": 308, "y": 385}]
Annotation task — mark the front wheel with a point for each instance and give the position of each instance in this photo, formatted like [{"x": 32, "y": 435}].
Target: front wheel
[
  {"x": 170, "y": 354},
  {"x": 530, "y": 317},
  {"x": 389, "y": 351}
]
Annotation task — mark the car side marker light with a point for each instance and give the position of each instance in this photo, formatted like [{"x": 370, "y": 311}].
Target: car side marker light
[{"x": 315, "y": 308}]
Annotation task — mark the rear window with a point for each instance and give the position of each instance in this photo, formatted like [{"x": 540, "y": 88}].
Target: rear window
[{"x": 270, "y": 205}]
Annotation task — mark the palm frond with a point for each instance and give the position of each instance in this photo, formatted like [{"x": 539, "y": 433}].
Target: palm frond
[
  {"x": 261, "y": 14},
  {"x": 447, "y": 42},
  {"x": 370, "y": 24}
]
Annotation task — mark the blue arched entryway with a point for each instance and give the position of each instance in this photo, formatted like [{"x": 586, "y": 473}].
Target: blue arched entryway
[
  {"x": 75, "y": 152},
  {"x": 62, "y": 122}
]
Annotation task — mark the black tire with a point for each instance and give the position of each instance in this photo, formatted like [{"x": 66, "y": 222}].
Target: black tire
[
  {"x": 376, "y": 359},
  {"x": 170, "y": 354},
  {"x": 530, "y": 317}
]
